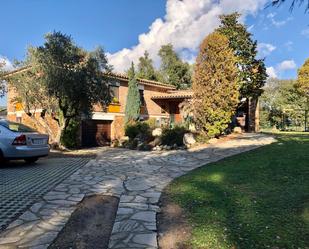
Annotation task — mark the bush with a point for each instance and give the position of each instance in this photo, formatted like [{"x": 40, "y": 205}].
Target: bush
[
  {"x": 152, "y": 122},
  {"x": 69, "y": 136},
  {"x": 138, "y": 130},
  {"x": 171, "y": 136}
]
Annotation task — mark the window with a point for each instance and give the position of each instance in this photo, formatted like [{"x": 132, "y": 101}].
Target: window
[
  {"x": 141, "y": 95},
  {"x": 16, "y": 127},
  {"x": 114, "y": 90}
]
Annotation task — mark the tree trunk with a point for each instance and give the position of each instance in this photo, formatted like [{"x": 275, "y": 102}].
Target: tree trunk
[{"x": 64, "y": 124}]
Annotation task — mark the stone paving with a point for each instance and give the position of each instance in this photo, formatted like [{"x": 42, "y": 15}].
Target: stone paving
[
  {"x": 22, "y": 185},
  {"x": 136, "y": 177}
]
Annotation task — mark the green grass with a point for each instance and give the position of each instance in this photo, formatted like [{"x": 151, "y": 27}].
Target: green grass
[{"x": 258, "y": 199}]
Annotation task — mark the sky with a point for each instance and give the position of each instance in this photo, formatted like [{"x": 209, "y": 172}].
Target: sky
[{"x": 126, "y": 28}]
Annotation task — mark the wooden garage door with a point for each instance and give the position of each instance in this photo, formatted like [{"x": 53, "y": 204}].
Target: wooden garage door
[{"x": 96, "y": 133}]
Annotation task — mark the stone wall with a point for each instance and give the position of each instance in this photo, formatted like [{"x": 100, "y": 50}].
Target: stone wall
[{"x": 117, "y": 128}]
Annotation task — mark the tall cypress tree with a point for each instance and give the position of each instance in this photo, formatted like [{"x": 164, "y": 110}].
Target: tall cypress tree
[
  {"x": 251, "y": 71},
  {"x": 214, "y": 85},
  {"x": 132, "y": 111}
]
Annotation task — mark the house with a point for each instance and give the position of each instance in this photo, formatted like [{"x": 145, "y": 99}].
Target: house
[{"x": 160, "y": 102}]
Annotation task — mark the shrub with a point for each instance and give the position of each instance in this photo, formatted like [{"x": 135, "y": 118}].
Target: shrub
[
  {"x": 69, "y": 136},
  {"x": 152, "y": 122},
  {"x": 171, "y": 136},
  {"x": 139, "y": 130}
]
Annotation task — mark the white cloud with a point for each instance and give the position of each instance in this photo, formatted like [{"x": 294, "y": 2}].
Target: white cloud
[
  {"x": 265, "y": 49},
  {"x": 305, "y": 32},
  {"x": 274, "y": 72},
  {"x": 6, "y": 63},
  {"x": 185, "y": 24},
  {"x": 271, "y": 71},
  {"x": 286, "y": 65},
  {"x": 276, "y": 23}
]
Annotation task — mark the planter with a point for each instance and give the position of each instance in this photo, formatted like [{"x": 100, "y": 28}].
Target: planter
[{"x": 114, "y": 107}]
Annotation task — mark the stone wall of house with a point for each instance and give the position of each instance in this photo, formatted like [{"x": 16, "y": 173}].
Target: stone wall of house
[
  {"x": 151, "y": 107},
  {"x": 117, "y": 131}
]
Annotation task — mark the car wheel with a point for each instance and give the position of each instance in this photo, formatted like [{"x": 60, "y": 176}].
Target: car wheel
[
  {"x": 31, "y": 159},
  {"x": 2, "y": 159}
]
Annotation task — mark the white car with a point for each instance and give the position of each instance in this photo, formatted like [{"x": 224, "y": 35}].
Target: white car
[{"x": 18, "y": 141}]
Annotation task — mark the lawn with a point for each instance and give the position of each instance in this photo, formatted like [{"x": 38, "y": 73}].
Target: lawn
[{"x": 259, "y": 199}]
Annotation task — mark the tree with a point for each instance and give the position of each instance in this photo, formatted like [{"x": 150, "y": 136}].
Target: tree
[
  {"x": 133, "y": 104},
  {"x": 303, "y": 87},
  {"x": 293, "y": 3},
  {"x": 215, "y": 85},
  {"x": 145, "y": 68},
  {"x": 64, "y": 80},
  {"x": 303, "y": 78},
  {"x": 173, "y": 70},
  {"x": 281, "y": 98},
  {"x": 2, "y": 81},
  {"x": 251, "y": 71}
]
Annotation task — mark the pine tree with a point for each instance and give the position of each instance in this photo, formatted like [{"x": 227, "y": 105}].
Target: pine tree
[
  {"x": 133, "y": 104},
  {"x": 146, "y": 69},
  {"x": 173, "y": 70},
  {"x": 251, "y": 71},
  {"x": 215, "y": 85}
]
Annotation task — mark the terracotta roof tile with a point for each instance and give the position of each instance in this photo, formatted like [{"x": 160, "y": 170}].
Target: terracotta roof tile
[
  {"x": 176, "y": 94},
  {"x": 142, "y": 81}
]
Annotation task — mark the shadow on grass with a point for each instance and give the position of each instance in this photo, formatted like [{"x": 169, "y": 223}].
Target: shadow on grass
[{"x": 258, "y": 199}]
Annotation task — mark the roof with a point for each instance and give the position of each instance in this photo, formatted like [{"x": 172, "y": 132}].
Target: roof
[
  {"x": 142, "y": 81},
  {"x": 118, "y": 76},
  {"x": 176, "y": 94}
]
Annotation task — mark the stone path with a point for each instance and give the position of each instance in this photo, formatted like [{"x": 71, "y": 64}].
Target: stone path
[{"x": 136, "y": 177}]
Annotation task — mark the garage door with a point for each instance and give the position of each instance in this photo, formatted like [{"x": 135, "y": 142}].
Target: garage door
[{"x": 96, "y": 133}]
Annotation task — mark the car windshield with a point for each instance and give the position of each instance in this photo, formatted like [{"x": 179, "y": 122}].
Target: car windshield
[{"x": 16, "y": 127}]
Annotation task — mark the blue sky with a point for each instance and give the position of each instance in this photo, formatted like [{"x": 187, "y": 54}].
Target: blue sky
[{"x": 125, "y": 28}]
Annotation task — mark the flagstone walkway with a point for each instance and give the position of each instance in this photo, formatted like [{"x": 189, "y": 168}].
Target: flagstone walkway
[{"x": 136, "y": 177}]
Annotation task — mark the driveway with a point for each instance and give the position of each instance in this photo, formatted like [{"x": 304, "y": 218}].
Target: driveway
[
  {"x": 136, "y": 178},
  {"x": 22, "y": 185}
]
